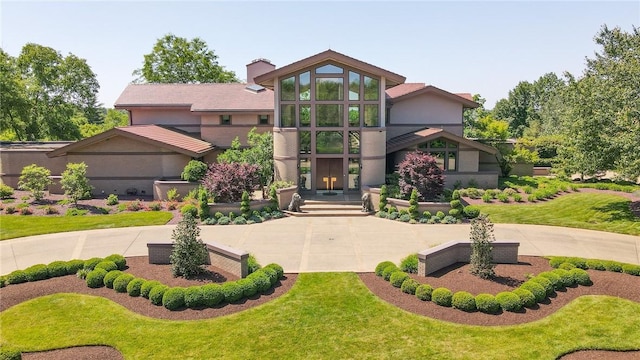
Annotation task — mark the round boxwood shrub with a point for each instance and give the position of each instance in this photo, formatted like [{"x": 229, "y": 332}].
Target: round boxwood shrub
[
  {"x": 410, "y": 264},
  {"x": 232, "y": 291},
  {"x": 565, "y": 276},
  {"x": 526, "y": 296},
  {"x": 386, "y": 273},
  {"x": 272, "y": 274},
  {"x": 442, "y": 296},
  {"x": 133, "y": 288},
  {"x": 554, "y": 278},
  {"x": 578, "y": 262},
  {"x": 194, "y": 297},
  {"x": 16, "y": 277},
  {"x": 95, "y": 278},
  {"x": 212, "y": 294},
  {"x": 455, "y": 204},
  {"x": 464, "y": 301},
  {"x": 509, "y": 301},
  {"x": 581, "y": 277},
  {"x": 566, "y": 266},
  {"x": 121, "y": 282},
  {"x": 91, "y": 263},
  {"x": 111, "y": 277},
  {"x": 536, "y": 289},
  {"x": 107, "y": 265},
  {"x": 146, "y": 287},
  {"x": 487, "y": 304},
  {"x": 596, "y": 264},
  {"x": 224, "y": 220},
  {"x": 471, "y": 212},
  {"x": 157, "y": 293},
  {"x": 546, "y": 284},
  {"x": 262, "y": 281},
  {"x": 381, "y": 266},
  {"x": 248, "y": 286},
  {"x": 279, "y": 270},
  {"x": 631, "y": 269},
  {"x": 397, "y": 278},
  {"x": 173, "y": 298},
  {"x": 409, "y": 286},
  {"x": 613, "y": 266},
  {"x": 37, "y": 272},
  {"x": 424, "y": 291},
  {"x": 120, "y": 261},
  {"x": 74, "y": 265},
  {"x": 57, "y": 268}
]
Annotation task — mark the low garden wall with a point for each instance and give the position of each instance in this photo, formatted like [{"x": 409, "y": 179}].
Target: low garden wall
[
  {"x": 221, "y": 256},
  {"x": 432, "y": 207},
  {"x": 441, "y": 256},
  {"x": 160, "y": 188},
  {"x": 226, "y": 208}
]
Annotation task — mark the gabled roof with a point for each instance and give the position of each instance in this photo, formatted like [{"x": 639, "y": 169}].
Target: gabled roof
[
  {"x": 150, "y": 134},
  {"x": 409, "y": 90},
  {"x": 196, "y": 97},
  {"x": 392, "y": 79},
  {"x": 427, "y": 134}
]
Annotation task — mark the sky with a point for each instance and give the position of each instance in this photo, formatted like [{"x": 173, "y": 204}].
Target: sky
[{"x": 479, "y": 47}]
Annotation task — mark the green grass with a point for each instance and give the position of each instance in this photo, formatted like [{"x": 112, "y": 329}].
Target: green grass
[
  {"x": 603, "y": 212},
  {"x": 13, "y": 226},
  {"x": 324, "y": 316}
]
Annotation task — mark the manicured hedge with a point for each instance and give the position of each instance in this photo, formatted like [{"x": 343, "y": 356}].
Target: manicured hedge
[
  {"x": 397, "y": 278},
  {"x": 95, "y": 278},
  {"x": 386, "y": 273},
  {"x": 536, "y": 289},
  {"x": 273, "y": 275},
  {"x": 554, "y": 278},
  {"x": 146, "y": 287},
  {"x": 631, "y": 269},
  {"x": 509, "y": 301},
  {"x": 613, "y": 266},
  {"x": 487, "y": 304},
  {"x": 381, "y": 266},
  {"x": 57, "y": 269},
  {"x": 232, "y": 292},
  {"x": 528, "y": 300},
  {"x": 74, "y": 265},
  {"x": 464, "y": 301},
  {"x": 248, "y": 286},
  {"x": 16, "y": 277},
  {"x": 194, "y": 297},
  {"x": 409, "y": 286},
  {"x": 596, "y": 264},
  {"x": 212, "y": 294},
  {"x": 581, "y": 277},
  {"x": 279, "y": 270},
  {"x": 91, "y": 263},
  {"x": 157, "y": 293},
  {"x": 424, "y": 291},
  {"x": 173, "y": 298},
  {"x": 442, "y": 296},
  {"x": 107, "y": 265},
  {"x": 546, "y": 284},
  {"x": 37, "y": 272},
  {"x": 121, "y": 282},
  {"x": 134, "y": 286},
  {"x": 119, "y": 260},
  {"x": 111, "y": 277},
  {"x": 565, "y": 276}
]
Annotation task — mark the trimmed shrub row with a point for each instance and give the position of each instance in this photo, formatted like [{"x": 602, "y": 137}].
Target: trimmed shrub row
[
  {"x": 529, "y": 294},
  {"x": 569, "y": 263}
]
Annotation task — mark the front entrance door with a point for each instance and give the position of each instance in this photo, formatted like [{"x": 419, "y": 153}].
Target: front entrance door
[{"x": 329, "y": 174}]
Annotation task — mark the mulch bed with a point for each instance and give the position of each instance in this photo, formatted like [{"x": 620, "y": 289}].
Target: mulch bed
[{"x": 455, "y": 277}]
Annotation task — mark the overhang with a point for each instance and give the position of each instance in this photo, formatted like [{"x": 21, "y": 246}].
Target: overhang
[{"x": 418, "y": 137}]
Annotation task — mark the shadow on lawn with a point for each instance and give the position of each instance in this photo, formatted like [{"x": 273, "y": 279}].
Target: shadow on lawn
[{"x": 621, "y": 210}]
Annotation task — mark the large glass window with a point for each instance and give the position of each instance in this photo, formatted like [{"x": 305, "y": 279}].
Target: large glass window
[
  {"x": 329, "y": 89},
  {"x": 305, "y": 142},
  {"x": 305, "y": 115},
  {"x": 371, "y": 88},
  {"x": 445, "y": 152},
  {"x": 305, "y": 86},
  {"x": 329, "y": 115},
  {"x": 451, "y": 163},
  {"x": 354, "y": 174},
  {"x": 329, "y": 142},
  {"x": 288, "y": 89},
  {"x": 354, "y": 115},
  {"x": 371, "y": 117},
  {"x": 354, "y": 86},
  {"x": 354, "y": 142},
  {"x": 329, "y": 69},
  {"x": 288, "y": 115},
  {"x": 305, "y": 174}
]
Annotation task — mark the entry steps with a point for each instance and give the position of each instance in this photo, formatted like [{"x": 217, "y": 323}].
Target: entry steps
[{"x": 324, "y": 208}]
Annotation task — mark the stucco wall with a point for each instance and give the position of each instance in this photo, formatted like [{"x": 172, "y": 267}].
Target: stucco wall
[
  {"x": 426, "y": 109},
  {"x": 12, "y": 162},
  {"x": 285, "y": 154},
  {"x": 223, "y": 135},
  {"x": 181, "y": 119},
  {"x": 468, "y": 159},
  {"x": 373, "y": 156}
]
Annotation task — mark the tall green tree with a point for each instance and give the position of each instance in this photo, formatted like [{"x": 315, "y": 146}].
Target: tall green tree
[
  {"x": 42, "y": 91},
  {"x": 470, "y": 117},
  {"x": 259, "y": 152},
  {"x": 111, "y": 118},
  {"x": 176, "y": 59}
]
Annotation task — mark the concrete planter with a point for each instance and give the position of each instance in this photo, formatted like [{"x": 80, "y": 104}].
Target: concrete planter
[
  {"x": 226, "y": 208},
  {"x": 285, "y": 195},
  {"x": 160, "y": 188}
]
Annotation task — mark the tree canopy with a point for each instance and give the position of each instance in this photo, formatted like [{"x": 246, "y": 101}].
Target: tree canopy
[
  {"x": 176, "y": 59},
  {"x": 42, "y": 92}
]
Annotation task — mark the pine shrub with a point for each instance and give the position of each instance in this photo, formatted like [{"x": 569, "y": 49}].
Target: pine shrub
[
  {"x": 146, "y": 287},
  {"x": 189, "y": 253},
  {"x": 194, "y": 297},
  {"x": 173, "y": 298},
  {"x": 397, "y": 278},
  {"x": 121, "y": 282},
  {"x": 134, "y": 286},
  {"x": 240, "y": 220},
  {"x": 157, "y": 294},
  {"x": 111, "y": 277},
  {"x": 413, "y": 205},
  {"x": 95, "y": 278},
  {"x": 424, "y": 291},
  {"x": 212, "y": 294},
  {"x": 410, "y": 264},
  {"x": 487, "y": 304},
  {"x": 383, "y": 197},
  {"x": 481, "y": 238},
  {"x": 527, "y": 297},
  {"x": 442, "y": 296},
  {"x": 409, "y": 286},
  {"x": 112, "y": 199},
  {"x": 225, "y": 220},
  {"x": 464, "y": 301},
  {"x": 509, "y": 301}
]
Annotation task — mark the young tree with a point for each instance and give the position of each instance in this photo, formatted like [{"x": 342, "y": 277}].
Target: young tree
[
  {"x": 420, "y": 171},
  {"x": 481, "y": 238},
  {"x": 75, "y": 182},
  {"x": 189, "y": 253},
  {"x": 35, "y": 179},
  {"x": 194, "y": 171},
  {"x": 178, "y": 60}
]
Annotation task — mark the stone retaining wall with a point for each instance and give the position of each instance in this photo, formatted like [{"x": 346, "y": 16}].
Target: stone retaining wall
[
  {"x": 221, "y": 256},
  {"x": 441, "y": 256}
]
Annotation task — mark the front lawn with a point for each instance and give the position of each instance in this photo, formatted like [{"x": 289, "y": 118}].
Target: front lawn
[
  {"x": 324, "y": 316},
  {"x": 593, "y": 211},
  {"x": 13, "y": 226}
]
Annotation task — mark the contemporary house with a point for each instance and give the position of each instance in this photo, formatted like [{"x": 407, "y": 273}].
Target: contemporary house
[{"x": 338, "y": 123}]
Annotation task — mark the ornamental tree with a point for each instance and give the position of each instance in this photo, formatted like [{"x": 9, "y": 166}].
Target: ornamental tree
[
  {"x": 34, "y": 178},
  {"x": 420, "y": 171},
  {"x": 481, "y": 238},
  {"x": 189, "y": 253},
  {"x": 75, "y": 182},
  {"x": 227, "y": 181}
]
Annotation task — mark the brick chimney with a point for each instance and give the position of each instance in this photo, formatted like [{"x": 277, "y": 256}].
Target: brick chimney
[{"x": 258, "y": 67}]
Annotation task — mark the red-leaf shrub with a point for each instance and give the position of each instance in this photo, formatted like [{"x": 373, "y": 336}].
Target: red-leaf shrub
[
  {"x": 227, "y": 181},
  {"x": 420, "y": 171}
]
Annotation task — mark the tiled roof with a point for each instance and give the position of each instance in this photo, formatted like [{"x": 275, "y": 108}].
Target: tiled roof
[
  {"x": 467, "y": 96},
  {"x": 198, "y": 97},
  {"x": 151, "y": 134},
  {"x": 409, "y": 90},
  {"x": 403, "y": 89},
  {"x": 417, "y": 137}
]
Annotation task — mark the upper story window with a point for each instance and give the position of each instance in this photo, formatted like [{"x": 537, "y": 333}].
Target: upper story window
[
  {"x": 288, "y": 89},
  {"x": 330, "y": 89},
  {"x": 371, "y": 88},
  {"x": 225, "y": 119},
  {"x": 305, "y": 86},
  {"x": 263, "y": 119},
  {"x": 354, "y": 86},
  {"x": 329, "y": 69}
]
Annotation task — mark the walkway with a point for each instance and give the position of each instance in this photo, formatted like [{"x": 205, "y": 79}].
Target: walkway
[{"x": 318, "y": 244}]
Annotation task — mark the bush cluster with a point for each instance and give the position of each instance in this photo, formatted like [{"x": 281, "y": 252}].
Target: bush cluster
[
  {"x": 509, "y": 301},
  {"x": 464, "y": 301},
  {"x": 95, "y": 278},
  {"x": 397, "y": 278},
  {"x": 442, "y": 296},
  {"x": 409, "y": 286},
  {"x": 487, "y": 303},
  {"x": 424, "y": 291},
  {"x": 121, "y": 282},
  {"x": 111, "y": 277}
]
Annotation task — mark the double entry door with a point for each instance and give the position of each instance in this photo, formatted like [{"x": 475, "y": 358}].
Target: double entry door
[{"x": 329, "y": 174}]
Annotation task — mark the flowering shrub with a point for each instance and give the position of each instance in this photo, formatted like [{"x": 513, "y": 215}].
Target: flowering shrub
[
  {"x": 227, "y": 181},
  {"x": 420, "y": 171}
]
